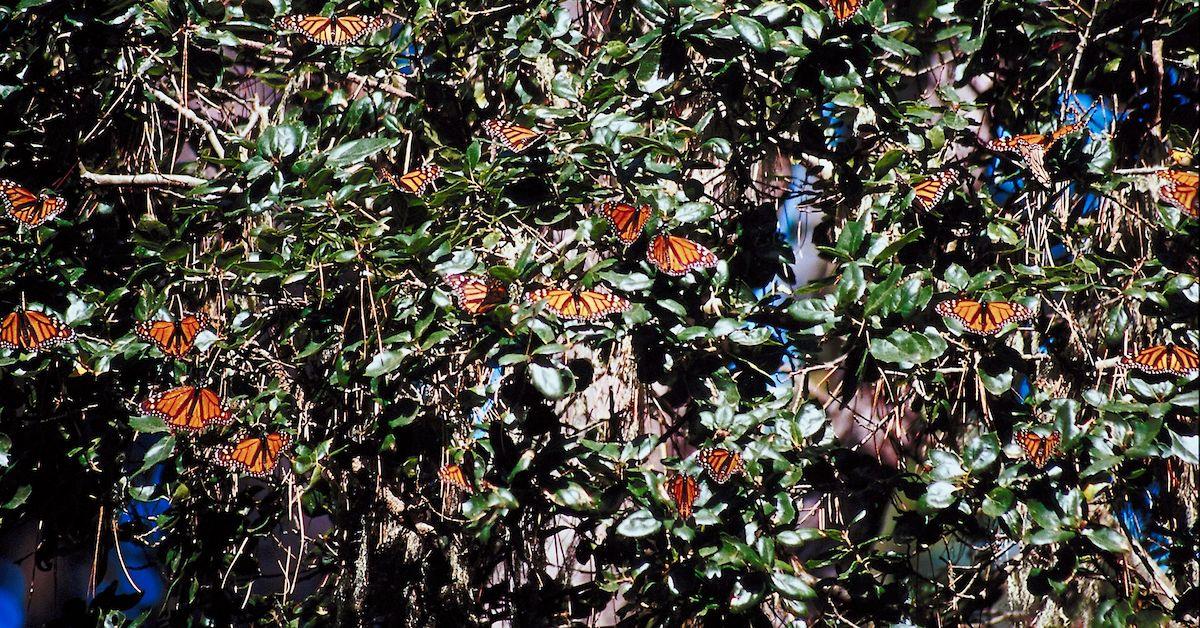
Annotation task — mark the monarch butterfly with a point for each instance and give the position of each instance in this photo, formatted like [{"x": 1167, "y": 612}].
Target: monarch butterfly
[
  {"x": 627, "y": 220},
  {"x": 843, "y": 10},
  {"x": 1032, "y": 147},
  {"x": 721, "y": 463},
  {"x": 683, "y": 491},
  {"x": 1161, "y": 359},
  {"x": 1037, "y": 448},
  {"x": 188, "y": 408},
  {"x": 452, "y": 475},
  {"x": 174, "y": 338},
  {"x": 985, "y": 319},
  {"x": 254, "y": 455},
  {"x": 1178, "y": 187},
  {"x": 31, "y": 330},
  {"x": 332, "y": 30},
  {"x": 27, "y": 208},
  {"x": 676, "y": 256},
  {"x": 931, "y": 191},
  {"x": 511, "y": 136},
  {"x": 414, "y": 181},
  {"x": 477, "y": 295},
  {"x": 582, "y": 305}
]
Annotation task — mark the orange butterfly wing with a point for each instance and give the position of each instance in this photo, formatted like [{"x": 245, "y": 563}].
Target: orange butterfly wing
[
  {"x": 513, "y": 137},
  {"x": 174, "y": 338},
  {"x": 332, "y": 30},
  {"x": 255, "y": 455},
  {"x": 188, "y": 408},
  {"x": 28, "y": 208},
  {"x": 931, "y": 191},
  {"x": 721, "y": 463},
  {"x": 683, "y": 491},
  {"x": 985, "y": 319},
  {"x": 843, "y": 10},
  {"x": 31, "y": 330},
  {"x": 1163, "y": 359},
  {"x": 585, "y": 305},
  {"x": 1178, "y": 187},
  {"x": 676, "y": 256},
  {"x": 627, "y": 220},
  {"x": 477, "y": 295},
  {"x": 1038, "y": 449},
  {"x": 453, "y": 476}
]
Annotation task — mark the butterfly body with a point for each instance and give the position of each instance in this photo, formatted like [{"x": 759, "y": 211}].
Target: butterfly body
[
  {"x": 511, "y": 136},
  {"x": 721, "y": 463},
  {"x": 27, "y": 208},
  {"x": 1033, "y": 147},
  {"x": 581, "y": 305},
  {"x": 332, "y": 30},
  {"x": 1038, "y": 449},
  {"x": 683, "y": 490},
  {"x": 454, "y": 476},
  {"x": 31, "y": 330},
  {"x": 677, "y": 256},
  {"x": 982, "y": 318},
  {"x": 188, "y": 408},
  {"x": 254, "y": 455},
  {"x": 931, "y": 191},
  {"x": 1164, "y": 359},
  {"x": 174, "y": 338},
  {"x": 415, "y": 181},
  {"x": 843, "y": 10},
  {"x": 1178, "y": 187},
  {"x": 477, "y": 295},
  {"x": 627, "y": 220}
]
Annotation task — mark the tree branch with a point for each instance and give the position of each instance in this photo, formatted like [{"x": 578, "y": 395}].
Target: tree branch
[
  {"x": 191, "y": 116},
  {"x": 147, "y": 179}
]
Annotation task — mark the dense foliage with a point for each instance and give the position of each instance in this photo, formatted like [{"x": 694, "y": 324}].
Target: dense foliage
[{"x": 882, "y": 480}]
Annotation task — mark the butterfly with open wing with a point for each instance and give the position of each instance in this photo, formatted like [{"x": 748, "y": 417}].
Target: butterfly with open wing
[
  {"x": 511, "y": 136},
  {"x": 254, "y": 455},
  {"x": 475, "y": 294},
  {"x": 27, "y": 208},
  {"x": 333, "y": 30},
  {"x": 677, "y": 256},
  {"x": 983, "y": 318},
  {"x": 188, "y": 408},
  {"x": 843, "y": 10},
  {"x": 174, "y": 338},
  {"x": 31, "y": 330},
  {"x": 1033, "y": 147},
  {"x": 683, "y": 491},
  {"x": 1164, "y": 359},
  {"x": 579, "y": 305},
  {"x": 414, "y": 181},
  {"x": 721, "y": 463},
  {"x": 627, "y": 220},
  {"x": 929, "y": 192},
  {"x": 1178, "y": 187},
  {"x": 1037, "y": 448}
]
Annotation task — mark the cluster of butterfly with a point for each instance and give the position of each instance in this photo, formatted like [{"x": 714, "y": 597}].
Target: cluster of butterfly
[{"x": 189, "y": 409}]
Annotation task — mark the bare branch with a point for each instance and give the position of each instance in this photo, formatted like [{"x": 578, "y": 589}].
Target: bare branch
[{"x": 191, "y": 116}]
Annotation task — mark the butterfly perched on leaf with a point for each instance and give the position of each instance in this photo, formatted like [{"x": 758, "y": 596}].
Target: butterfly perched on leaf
[
  {"x": 188, "y": 408},
  {"x": 1164, "y": 359},
  {"x": 627, "y": 220},
  {"x": 579, "y": 305},
  {"x": 31, "y": 330},
  {"x": 1033, "y": 147},
  {"x": 1037, "y": 448},
  {"x": 721, "y": 463},
  {"x": 254, "y": 455},
  {"x": 983, "y": 318},
  {"x": 414, "y": 181},
  {"x": 477, "y": 295},
  {"x": 333, "y": 30},
  {"x": 677, "y": 256},
  {"x": 511, "y": 136},
  {"x": 843, "y": 10},
  {"x": 1178, "y": 187},
  {"x": 683, "y": 490},
  {"x": 453, "y": 476},
  {"x": 931, "y": 191},
  {"x": 174, "y": 338},
  {"x": 27, "y": 208}
]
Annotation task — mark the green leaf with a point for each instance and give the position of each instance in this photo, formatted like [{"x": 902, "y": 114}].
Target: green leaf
[
  {"x": 278, "y": 142},
  {"x": 1108, "y": 540},
  {"x": 385, "y": 362},
  {"x": 553, "y": 383},
  {"x": 355, "y": 151},
  {"x": 639, "y": 524},
  {"x": 752, "y": 32}
]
